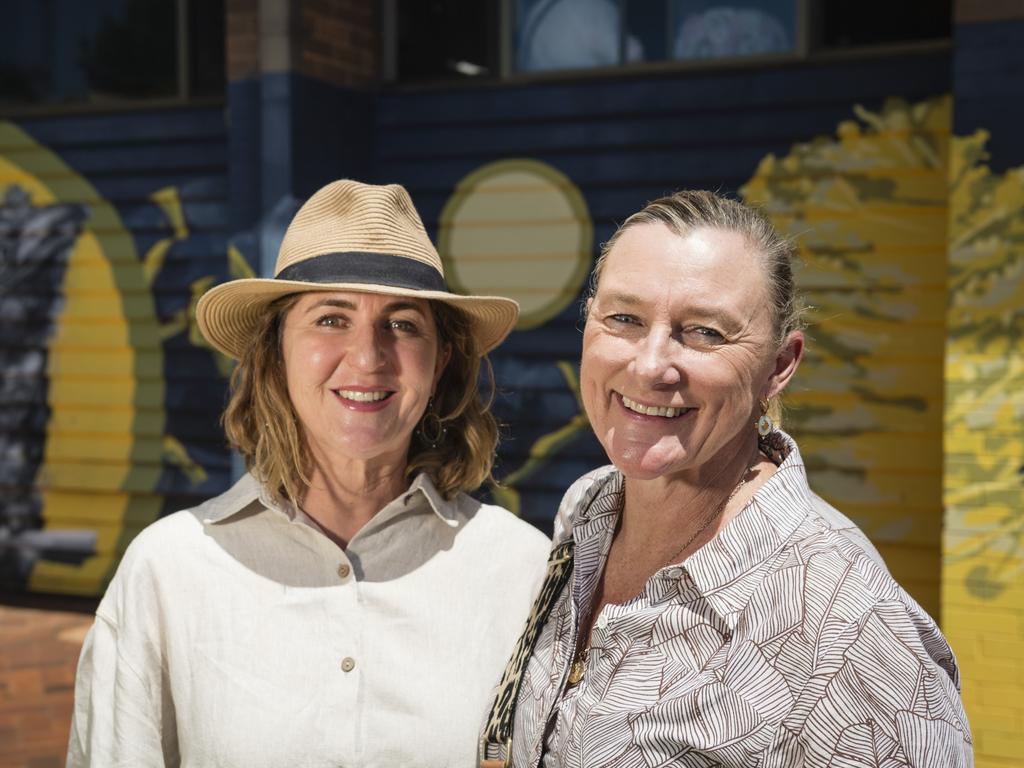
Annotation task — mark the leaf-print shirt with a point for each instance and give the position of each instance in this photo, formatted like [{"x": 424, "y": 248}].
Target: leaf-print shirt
[{"x": 784, "y": 641}]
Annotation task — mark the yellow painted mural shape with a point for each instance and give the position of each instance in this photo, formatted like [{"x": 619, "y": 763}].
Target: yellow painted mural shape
[
  {"x": 518, "y": 228},
  {"x": 985, "y": 372},
  {"x": 105, "y": 377},
  {"x": 983, "y": 577},
  {"x": 867, "y": 208}
]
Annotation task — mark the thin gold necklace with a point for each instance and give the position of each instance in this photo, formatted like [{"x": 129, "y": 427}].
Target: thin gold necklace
[{"x": 579, "y": 662}]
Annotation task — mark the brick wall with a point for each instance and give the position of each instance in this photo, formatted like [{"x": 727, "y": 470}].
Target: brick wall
[
  {"x": 337, "y": 40},
  {"x": 242, "y": 45}
]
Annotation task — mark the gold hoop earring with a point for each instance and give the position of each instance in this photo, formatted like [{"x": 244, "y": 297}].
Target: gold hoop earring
[
  {"x": 765, "y": 425},
  {"x": 431, "y": 429}
]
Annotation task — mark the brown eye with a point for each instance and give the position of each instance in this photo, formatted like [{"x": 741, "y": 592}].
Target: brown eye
[{"x": 402, "y": 326}]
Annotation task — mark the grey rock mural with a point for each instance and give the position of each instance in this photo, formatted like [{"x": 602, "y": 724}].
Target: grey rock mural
[{"x": 35, "y": 243}]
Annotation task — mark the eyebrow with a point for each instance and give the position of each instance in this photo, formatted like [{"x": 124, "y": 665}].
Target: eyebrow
[
  {"x": 699, "y": 313},
  {"x": 394, "y": 306},
  {"x": 628, "y": 299}
]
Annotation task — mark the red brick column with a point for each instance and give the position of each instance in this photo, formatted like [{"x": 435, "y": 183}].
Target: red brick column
[{"x": 337, "y": 41}]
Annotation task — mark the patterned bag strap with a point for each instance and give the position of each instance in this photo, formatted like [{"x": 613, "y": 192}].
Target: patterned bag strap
[{"x": 496, "y": 742}]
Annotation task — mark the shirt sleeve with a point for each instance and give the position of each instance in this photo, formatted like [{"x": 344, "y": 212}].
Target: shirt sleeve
[
  {"x": 877, "y": 697},
  {"x": 120, "y": 717}
]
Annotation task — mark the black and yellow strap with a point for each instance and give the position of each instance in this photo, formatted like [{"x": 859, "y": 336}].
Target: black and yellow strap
[{"x": 496, "y": 742}]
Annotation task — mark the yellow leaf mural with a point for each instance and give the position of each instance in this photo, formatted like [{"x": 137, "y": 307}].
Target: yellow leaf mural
[{"x": 867, "y": 209}]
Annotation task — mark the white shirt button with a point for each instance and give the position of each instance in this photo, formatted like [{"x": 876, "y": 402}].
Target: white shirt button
[
  {"x": 675, "y": 573},
  {"x": 348, "y": 664},
  {"x": 344, "y": 570},
  {"x": 602, "y": 621}
]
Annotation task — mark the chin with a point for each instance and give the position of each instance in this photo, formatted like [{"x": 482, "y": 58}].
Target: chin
[{"x": 644, "y": 462}]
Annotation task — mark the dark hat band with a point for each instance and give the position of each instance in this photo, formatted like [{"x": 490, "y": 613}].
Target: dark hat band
[{"x": 365, "y": 268}]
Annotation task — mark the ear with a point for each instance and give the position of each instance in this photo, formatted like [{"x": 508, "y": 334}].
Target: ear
[
  {"x": 444, "y": 355},
  {"x": 787, "y": 360}
]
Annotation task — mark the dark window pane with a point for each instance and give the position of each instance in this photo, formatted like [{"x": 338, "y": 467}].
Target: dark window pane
[
  {"x": 872, "y": 22},
  {"x": 446, "y": 40},
  {"x": 647, "y": 30},
  {"x": 102, "y": 51},
  {"x": 133, "y": 53},
  {"x": 206, "y": 48}
]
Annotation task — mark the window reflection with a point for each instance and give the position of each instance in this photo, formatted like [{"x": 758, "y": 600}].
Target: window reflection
[
  {"x": 569, "y": 34},
  {"x": 572, "y": 34},
  {"x": 707, "y": 30}
]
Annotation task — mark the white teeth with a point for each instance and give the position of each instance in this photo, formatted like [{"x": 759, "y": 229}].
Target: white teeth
[
  {"x": 362, "y": 397},
  {"x": 651, "y": 410}
]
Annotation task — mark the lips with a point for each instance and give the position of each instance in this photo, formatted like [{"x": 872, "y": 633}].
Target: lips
[{"x": 664, "y": 412}]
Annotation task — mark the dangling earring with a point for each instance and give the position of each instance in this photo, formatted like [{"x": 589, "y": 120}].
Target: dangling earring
[
  {"x": 431, "y": 429},
  {"x": 765, "y": 425}
]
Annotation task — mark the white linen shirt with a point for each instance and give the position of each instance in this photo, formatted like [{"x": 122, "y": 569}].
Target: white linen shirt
[{"x": 237, "y": 634}]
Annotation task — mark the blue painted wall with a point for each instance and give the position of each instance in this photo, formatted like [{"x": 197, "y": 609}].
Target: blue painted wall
[{"x": 207, "y": 179}]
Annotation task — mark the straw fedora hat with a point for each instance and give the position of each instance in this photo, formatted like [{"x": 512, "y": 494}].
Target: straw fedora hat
[{"x": 349, "y": 237}]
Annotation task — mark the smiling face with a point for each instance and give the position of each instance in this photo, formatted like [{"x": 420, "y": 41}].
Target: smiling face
[
  {"x": 360, "y": 369},
  {"x": 677, "y": 350}
]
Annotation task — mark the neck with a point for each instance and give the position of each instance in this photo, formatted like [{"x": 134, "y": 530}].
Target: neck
[
  {"x": 678, "y": 506},
  {"x": 342, "y": 498}
]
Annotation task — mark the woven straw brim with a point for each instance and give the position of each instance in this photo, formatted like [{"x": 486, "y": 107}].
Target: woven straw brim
[{"x": 228, "y": 314}]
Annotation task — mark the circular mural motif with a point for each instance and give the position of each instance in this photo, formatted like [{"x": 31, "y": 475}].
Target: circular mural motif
[{"x": 518, "y": 228}]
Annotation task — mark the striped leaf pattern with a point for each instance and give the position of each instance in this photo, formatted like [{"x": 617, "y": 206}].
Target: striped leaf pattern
[{"x": 783, "y": 642}]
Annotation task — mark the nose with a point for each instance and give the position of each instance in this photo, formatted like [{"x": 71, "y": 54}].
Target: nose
[
  {"x": 367, "y": 352},
  {"x": 655, "y": 360}
]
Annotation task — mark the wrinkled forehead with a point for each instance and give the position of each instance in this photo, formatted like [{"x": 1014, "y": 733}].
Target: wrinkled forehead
[{"x": 712, "y": 254}]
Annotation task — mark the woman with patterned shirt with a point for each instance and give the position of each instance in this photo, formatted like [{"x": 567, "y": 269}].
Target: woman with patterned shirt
[{"x": 704, "y": 607}]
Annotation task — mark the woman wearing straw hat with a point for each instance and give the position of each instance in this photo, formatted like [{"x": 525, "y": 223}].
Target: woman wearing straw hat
[{"x": 345, "y": 602}]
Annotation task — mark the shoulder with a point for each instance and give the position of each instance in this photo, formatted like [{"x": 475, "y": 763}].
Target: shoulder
[
  {"x": 498, "y": 524},
  {"x": 578, "y": 498},
  {"x": 170, "y": 545},
  {"x": 832, "y": 519},
  {"x": 888, "y": 673},
  {"x": 166, "y": 536},
  {"x": 844, "y": 585},
  {"x": 852, "y": 600}
]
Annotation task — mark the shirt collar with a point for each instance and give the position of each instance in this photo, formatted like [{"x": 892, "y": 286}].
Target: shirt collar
[
  {"x": 726, "y": 570},
  {"x": 249, "y": 490},
  {"x": 422, "y": 487}
]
